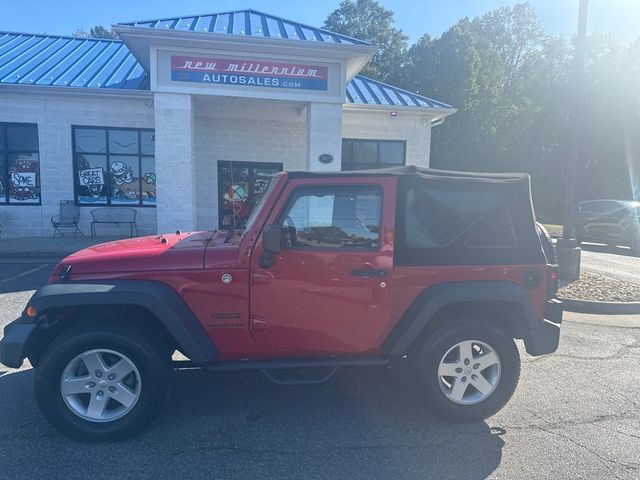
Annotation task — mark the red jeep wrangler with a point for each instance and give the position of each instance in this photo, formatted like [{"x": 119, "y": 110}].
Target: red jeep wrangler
[{"x": 437, "y": 270}]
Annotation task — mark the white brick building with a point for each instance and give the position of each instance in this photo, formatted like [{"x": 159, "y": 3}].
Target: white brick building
[{"x": 184, "y": 119}]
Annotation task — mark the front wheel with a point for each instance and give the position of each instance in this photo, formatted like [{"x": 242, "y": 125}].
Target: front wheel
[
  {"x": 101, "y": 382},
  {"x": 468, "y": 370}
]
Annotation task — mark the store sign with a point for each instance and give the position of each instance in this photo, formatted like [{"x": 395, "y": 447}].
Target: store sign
[
  {"x": 248, "y": 73},
  {"x": 23, "y": 179},
  {"x": 91, "y": 177}
]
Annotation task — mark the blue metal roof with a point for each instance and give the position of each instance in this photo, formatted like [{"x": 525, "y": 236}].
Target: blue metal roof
[
  {"x": 30, "y": 59},
  {"x": 51, "y": 60},
  {"x": 249, "y": 23},
  {"x": 367, "y": 91}
]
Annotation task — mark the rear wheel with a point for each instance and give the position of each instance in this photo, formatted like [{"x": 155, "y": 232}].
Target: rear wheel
[
  {"x": 101, "y": 383},
  {"x": 468, "y": 370}
]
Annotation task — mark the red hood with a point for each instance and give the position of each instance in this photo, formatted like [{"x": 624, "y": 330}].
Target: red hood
[{"x": 184, "y": 251}]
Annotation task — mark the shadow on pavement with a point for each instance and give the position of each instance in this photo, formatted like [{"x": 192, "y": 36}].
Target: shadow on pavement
[
  {"x": 359, "y": 425},
  {"x": 18, "y": 277}
]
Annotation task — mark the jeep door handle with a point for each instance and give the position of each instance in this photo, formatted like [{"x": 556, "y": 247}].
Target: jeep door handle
[{"x": 368, "y": 272}]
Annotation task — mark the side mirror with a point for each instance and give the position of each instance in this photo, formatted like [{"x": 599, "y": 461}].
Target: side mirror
[{"x": 271, "y": 238}]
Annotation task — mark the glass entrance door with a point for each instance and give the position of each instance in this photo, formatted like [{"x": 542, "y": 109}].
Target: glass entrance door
[{"x": 240, "y": 186}]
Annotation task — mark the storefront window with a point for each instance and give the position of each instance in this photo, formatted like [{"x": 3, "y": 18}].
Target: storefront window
[
  {"x": 148, "y": 191},
  {"x": 125, "y": 179},
  {"x": 19, "y": 164},
  {"x": 114, "y": 166},
  {"x": 368, "y": 154},
  {"x": 240, "y": 186}
]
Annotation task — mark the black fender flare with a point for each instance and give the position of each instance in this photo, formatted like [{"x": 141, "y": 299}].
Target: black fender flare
[
  {"x": 157, "y": 297},
  {"x": 433, "y": 299}
]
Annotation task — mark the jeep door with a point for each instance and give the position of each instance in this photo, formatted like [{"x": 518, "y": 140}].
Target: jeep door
[{"x": 328, "y": 290}]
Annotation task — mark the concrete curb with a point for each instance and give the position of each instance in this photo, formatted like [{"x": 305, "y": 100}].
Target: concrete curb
[
  {"x": 618, "y": 321},
  {"x": 601, "y": 308}
]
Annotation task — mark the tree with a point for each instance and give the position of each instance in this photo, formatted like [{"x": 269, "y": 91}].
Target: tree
[
  {"x": 516, "y": 36},
  {"x": 451, "y": 68},
  {"x": 460, "y": 69},
  {"x": 511, "y": 83},
  {"x": 97, "y": 31},
  {"x": 632, "y": 117},
  {"x": 369, "y": 21},
  {"x": 609, "y": 102}
]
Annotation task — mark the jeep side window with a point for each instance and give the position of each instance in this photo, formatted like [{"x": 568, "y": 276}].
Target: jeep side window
[
  {"x": 333, "y": 217},
  {"x": 435, "y": 218}
]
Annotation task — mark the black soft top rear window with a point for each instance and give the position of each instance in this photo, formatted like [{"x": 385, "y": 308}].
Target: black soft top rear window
[{"x": 465, "y": 220}]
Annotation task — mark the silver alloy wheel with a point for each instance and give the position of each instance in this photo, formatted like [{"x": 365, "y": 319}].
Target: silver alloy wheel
[
  {"x": 469, "y": 372},
  {"x": 101, "y": 385}
]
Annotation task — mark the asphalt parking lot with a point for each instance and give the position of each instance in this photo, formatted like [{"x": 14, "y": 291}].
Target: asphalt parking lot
[
  {"x": 616, "y": 262},
  {"x": 575, "y": 414}
]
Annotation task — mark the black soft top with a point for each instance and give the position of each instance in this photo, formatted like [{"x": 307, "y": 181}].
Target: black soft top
[
  {"x": 421, "y": 173},
  {"x": 458, "y": 218}
]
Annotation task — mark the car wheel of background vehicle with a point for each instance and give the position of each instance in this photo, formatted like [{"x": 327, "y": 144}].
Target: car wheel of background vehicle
[
  {"x": 577, "y": 233},
  {"x": 468, "y": 370},
  {"x": 100, "y": 382},
  {"x": 634, "y": 241}
]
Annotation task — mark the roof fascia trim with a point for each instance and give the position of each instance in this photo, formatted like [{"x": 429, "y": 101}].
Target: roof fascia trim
[
  {"x": 77, "y": 91},
  {"x": 339, "y": 50},
  {"x": 369, "y": 107}
]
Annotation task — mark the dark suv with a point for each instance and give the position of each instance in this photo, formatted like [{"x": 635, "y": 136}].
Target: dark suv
[
  {"x": 613, "y": 222},
  {"x": 437, "y": 271}
]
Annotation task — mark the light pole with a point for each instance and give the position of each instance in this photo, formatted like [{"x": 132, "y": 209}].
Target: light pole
[{"x": 568, "y": 250}]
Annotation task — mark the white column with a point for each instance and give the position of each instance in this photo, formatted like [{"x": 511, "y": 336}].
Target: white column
[
  {"x": 175, "y": 163},
  {"x": 324, "y": 135}
]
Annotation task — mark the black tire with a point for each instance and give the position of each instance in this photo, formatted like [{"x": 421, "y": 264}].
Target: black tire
[
  {"x": 439, "y": 342},
  {"x": 147, "y": 356},
  {"x": 578, "y": 234}
]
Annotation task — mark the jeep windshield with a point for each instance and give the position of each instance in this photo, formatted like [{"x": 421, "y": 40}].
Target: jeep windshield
[{"x": 258, "y": 208}]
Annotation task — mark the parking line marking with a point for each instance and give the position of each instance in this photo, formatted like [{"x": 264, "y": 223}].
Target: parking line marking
[{"x": 28, "y": 272}]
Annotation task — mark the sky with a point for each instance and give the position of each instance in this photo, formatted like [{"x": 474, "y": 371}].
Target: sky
[{"x": 414, "y": 17}]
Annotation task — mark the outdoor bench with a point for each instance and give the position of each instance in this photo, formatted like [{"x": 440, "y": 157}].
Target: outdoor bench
[{"x": 115, "y": 215}]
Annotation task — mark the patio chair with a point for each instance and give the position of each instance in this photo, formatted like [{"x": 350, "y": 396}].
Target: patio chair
[{"x": 67, "y": 219}]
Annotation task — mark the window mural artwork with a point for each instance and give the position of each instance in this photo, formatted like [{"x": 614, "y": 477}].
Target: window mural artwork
[
  {"x": 114, "y": 166},
  {"x": 125, "y": 180},
  {"x": 92, "y": 186},
  {"x": 148, "y": 192},
  {"x": 23, "y": 178},
  {"x": 240, "y": 186},
  {"x": 19, "y": 164}
]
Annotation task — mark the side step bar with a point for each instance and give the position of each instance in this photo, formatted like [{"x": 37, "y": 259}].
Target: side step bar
[
  {"x": 298, "y": 363},
  {"x": 306, "y": 371},
  {"x": 300, "y": 376},
  {"x": 243, "y": 365}
]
